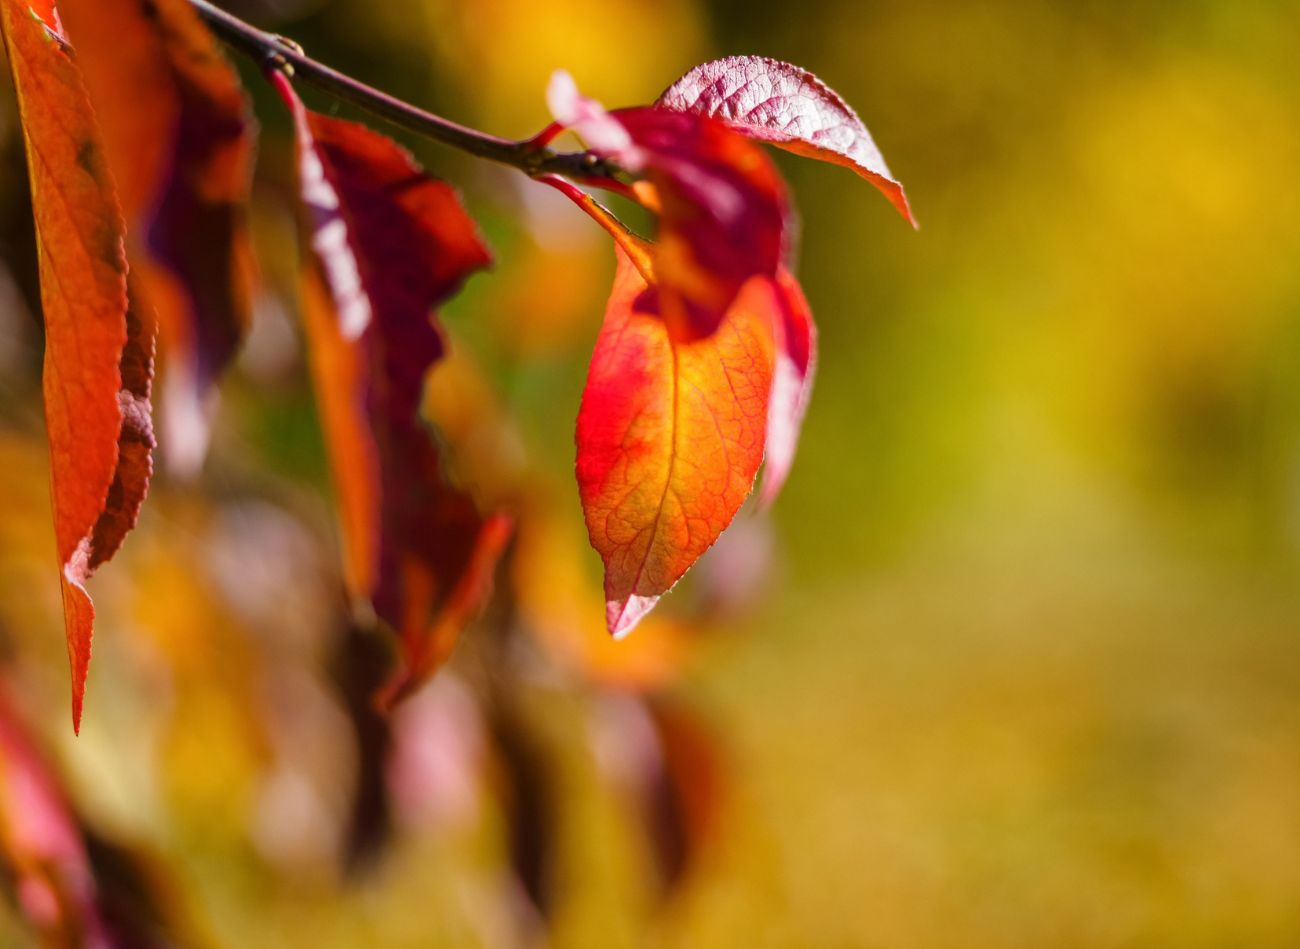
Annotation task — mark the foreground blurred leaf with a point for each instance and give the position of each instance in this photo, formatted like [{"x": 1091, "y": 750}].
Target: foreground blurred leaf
[
  {"x": 73, "y": 888},
  {"x": 780, "y": 103},
  {"x": 42, "y": 849},
  {"x": 179, "y": 143},
  {"x": 670, "y": 437},
  {"x": 98, "y": 361},
  {"x": 390, "y": 244}
]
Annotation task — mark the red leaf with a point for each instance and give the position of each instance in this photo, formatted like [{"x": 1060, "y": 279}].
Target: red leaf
[
  {"x": 179, "y": 143},
  {"x": 391, "y": 243},
  {"x": 779, "y": 103},
  {"x": 722, "y": 206},
  {"x": 98, "y": 362},
  {"x": 796, "y": 360},
  {"x": 670, "y": 436}
]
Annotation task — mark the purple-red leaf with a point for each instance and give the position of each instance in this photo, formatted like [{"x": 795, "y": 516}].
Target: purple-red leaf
[
  {"x": 390, "y": 243},
  {"x": 179, "y": 143},
  {"x": 779, "y": 103},
  {"x": 98, "y": 358}
]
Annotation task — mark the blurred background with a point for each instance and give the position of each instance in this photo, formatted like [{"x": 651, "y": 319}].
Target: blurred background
[{"x": 1013, "y": 661}]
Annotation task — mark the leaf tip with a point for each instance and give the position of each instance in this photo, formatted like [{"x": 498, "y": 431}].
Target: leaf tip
[
  {"x": 622, "y": 616},
  {"x": 898, "y": 198}
]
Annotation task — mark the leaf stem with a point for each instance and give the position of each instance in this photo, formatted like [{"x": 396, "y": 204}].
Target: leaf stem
[
  {"x": 635, "y": 247},
  {"x": 530, "y": 156}
]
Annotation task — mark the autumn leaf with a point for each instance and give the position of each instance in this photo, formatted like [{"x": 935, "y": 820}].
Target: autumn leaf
[
  {"x": 777, "y": 102},
  {"x": 670, "y": 436},
  {"x": 721, "y": 205},
  {"x": 389, "y": 243},
  {"x": 178, "y": 139},
  {"x": 98, "y": 358}
]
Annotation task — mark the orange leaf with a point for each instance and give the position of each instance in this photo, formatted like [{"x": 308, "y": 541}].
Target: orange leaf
[
  {"x": 780, "y": 103},
  {"x": 97, "y": 362},
  {"x": 670, "y": 436},
  {"x": 390, "y": 243},
  {"x": 179, "y": 143}
]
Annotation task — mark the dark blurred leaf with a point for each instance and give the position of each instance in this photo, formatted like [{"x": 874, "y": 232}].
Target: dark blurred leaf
[
  {"x": 779, "y": 103},
  {"x": 684, "y": 796},
  {"x": 669, "y": 766},
  {"x": 98, "y": 363},
  {"x": 360, "y": 667},
  {"x": 179, "y": 142},
  {"x": 390, "y": 243},
  {"x": 527, "y": 793}
]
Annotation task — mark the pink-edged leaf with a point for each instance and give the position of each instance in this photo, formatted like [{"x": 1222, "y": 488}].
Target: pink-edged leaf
[
  {"x": 777, "y": 102},
  {"x": 722, "y": 206},
  {"x": 792, "y": 381},
  {"x": 389, "y": 244}
]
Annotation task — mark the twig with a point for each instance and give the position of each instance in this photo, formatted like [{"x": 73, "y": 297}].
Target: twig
[{"x": 530, "y": 156}]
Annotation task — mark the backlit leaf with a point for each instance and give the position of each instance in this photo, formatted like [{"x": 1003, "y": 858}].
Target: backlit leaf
[
  {"x": 670, "y": 436},
  {"x": 779, "y": 103},
  {"x": 389, "y": 244},
  {"x": 98, "y": 360}
]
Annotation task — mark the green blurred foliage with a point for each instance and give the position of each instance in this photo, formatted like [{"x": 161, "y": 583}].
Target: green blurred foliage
[{"x": 1027, "y": 674}]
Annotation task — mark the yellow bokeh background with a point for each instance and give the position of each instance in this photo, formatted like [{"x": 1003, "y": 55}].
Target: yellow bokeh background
[{"x": 1020, "y": 663}]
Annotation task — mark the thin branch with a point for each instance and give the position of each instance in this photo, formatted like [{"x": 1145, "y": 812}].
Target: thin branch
[{"x": 529, "y": 156}]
